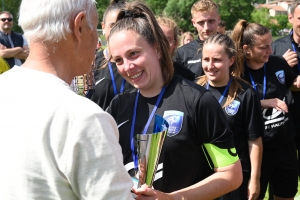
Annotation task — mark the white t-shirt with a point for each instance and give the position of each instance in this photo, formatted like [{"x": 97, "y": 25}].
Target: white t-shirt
[{"x": 55, "y": 144}]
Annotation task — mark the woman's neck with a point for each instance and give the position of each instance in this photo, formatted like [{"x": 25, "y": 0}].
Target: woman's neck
[
  {"x": 154, "y": 89},
  {"x": 254, "y": 65},
  {"x": 220, "y": 83}
]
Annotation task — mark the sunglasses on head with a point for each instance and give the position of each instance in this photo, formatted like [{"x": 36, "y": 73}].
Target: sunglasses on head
[{"x": 8, "y": 19}]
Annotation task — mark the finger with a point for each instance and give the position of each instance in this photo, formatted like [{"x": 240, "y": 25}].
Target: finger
[
  {"x": 287, "y": 51},
  {"x": 283, "y": 108}
]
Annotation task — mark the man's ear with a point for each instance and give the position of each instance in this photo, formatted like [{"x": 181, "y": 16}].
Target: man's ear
[
  {"x": 290, "y": 18},
  {"x": 79, "y": 24},
  {"x": 193, "y": 22}
]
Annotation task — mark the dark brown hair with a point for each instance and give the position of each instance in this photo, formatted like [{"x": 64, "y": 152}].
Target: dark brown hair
[
  {"x": 245, "y": 33},
  {"x": 137, "y": 17}
]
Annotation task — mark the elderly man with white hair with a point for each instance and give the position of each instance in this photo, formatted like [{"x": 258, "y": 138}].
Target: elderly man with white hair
[{"x": 55, "y": 144}]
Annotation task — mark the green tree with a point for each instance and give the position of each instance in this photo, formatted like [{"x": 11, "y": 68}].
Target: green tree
[
  {"x": 261, "y": 16},
  {"x": 180, "y": 11},
  {"x": 101, "y": 7},
  {"x": 282, "y": 21},
  {"x": 233, "y": 10},
  {"x": 157, "y": 6},
  {"x": 260, "y": 1}
]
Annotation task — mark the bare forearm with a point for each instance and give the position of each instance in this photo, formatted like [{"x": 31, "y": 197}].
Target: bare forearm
[
  {"x": 10, "y": 52},
  {"x": 22, "y": 55},
  {"x": 221, "y": 182},
  {"x": 255, "y": 153}
]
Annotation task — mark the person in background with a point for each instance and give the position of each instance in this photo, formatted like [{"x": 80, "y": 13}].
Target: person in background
[
  {"x": 186, "y": 38},
  {"x": 57, "y": 144},
  {"x": 108, "y": 82},
  {"x": 222, "y": 27},
  {"x": 170, "y": 30},
  {"x": 271, "y": 77},
  {"x": 288, "y": 47},
  {"x": 14, "y": 52},
  {"x": 198, "y": 126},
  {"x": 205, "y": 18},
  {"x": 241, "y": 107},
  {"x": 99, "y": 44}
]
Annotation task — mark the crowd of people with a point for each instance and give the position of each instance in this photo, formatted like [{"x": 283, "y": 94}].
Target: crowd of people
[{"x": 232, "y": 104}]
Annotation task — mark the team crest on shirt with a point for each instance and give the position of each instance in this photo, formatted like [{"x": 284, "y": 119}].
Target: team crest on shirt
[
  {"x": 232, "y": 108},
  {"x": 175, "y": 120},
  {"x": 280, "y": 76}
]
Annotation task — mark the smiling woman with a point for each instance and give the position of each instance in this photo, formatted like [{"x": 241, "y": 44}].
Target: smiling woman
[
  {"x": 140, "y": 50},
  {"x": 241, "y": 107}
]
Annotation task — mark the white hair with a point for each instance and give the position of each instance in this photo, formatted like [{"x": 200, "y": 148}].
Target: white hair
[{"x": 49, "y": 20}]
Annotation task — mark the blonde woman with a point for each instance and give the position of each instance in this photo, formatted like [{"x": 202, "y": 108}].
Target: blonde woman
[
  {"x": 186, "y": 38},
  {"x": 241, "y": 107}
]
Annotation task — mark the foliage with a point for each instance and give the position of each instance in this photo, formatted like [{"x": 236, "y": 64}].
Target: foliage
[
  {"x": 260, "y": 1},
  {"x": 157, "y": 6},
  {"x": 261, "y": 16},
  {"x": 101, "y": 7},
  {"x": 180, "y": 11},
  {"x": 282, "y": 21},
  {"x": 233, "y": 10}
]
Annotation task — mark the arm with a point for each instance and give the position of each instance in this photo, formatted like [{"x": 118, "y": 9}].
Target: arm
[
  {"x": 274, "y": 103},
  {"x": 224, "y": 180},
  {"x": 255, "y": 151},
  {"x": 92, "y": 158},
  {"x": 296, "y": 84},
  {"x": 10, "y": 52},
  {"x": 22, "y": 55}
]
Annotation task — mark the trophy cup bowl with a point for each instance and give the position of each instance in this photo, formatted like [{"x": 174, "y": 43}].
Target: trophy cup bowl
[{"x": 149, "y": 147}]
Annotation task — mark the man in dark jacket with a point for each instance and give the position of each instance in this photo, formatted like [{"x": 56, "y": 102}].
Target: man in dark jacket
[
  {"x": 205, "y": 18},
  {"x": 12, "y": 47},
  {"x": 289, "y": 48}
]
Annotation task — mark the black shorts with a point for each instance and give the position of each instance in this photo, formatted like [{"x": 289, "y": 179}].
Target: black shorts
[{"x": 280, "y": 169}]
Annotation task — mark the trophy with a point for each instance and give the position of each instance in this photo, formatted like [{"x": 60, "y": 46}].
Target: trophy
[{"x": 148, "y": 150}]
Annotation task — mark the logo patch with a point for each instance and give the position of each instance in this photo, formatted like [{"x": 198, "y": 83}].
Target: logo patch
[
  {"x": 232, "y": 108},
  {"x": 280, "y": 76},
  {"x": 175, "y": 120}
]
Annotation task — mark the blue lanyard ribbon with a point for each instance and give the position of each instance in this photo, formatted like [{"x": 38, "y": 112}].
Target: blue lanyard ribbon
[
  {"x": 265, "y": 81},
  {"x": 113, "y": 78},
  {"x": 225, "y": 91},
  {"x": 294, "y": 49},
  {"x": 134, "y": 155}
]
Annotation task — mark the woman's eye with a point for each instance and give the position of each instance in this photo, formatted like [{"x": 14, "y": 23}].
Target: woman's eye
[
  {"x": 133, "y": 53},
  {"x": 118, "y": 61}
]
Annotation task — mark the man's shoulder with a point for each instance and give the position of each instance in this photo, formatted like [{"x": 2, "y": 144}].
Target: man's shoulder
[
  {"x": 284, "y": 39},
  {"x": 194, "y": 45},
  {"x": 281, "y": 45},
  {"x": 16, "y": 33}
]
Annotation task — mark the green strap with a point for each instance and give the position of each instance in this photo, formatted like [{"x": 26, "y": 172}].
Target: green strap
[{"x": 221, "y": 157}]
